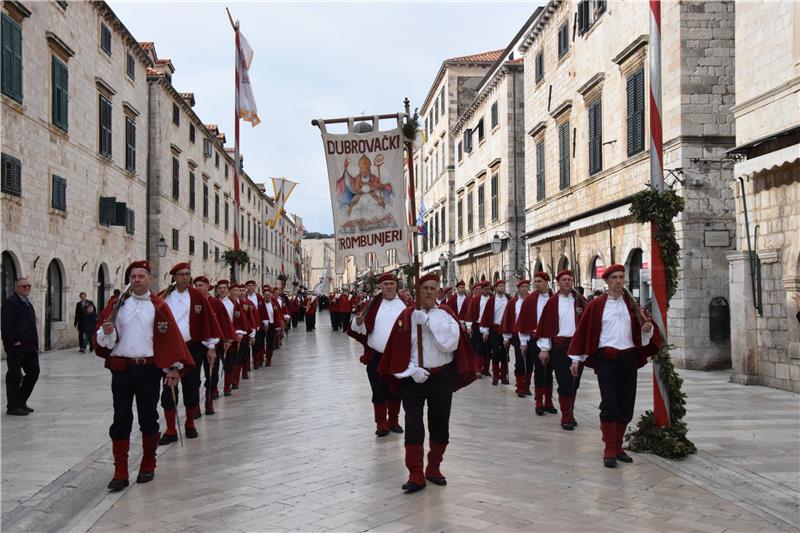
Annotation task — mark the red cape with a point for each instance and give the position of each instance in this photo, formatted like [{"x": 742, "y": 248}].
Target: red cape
[
  {"x": 241, "y": 320},
  {"x": 202, "y": 324},
  {"x": 463, "y": 313},
  {"x": 168, "y": 345},
  {"x": 224, "y": 321},
  {"x": 547, "y": 328},
  {"x": 587, "y": 334},
  {"x": 398, "y": 351},
  {"x": 251, "y": 312},
  {"x": 527, "y": 314},
  {"x": 509, "y": 316}
]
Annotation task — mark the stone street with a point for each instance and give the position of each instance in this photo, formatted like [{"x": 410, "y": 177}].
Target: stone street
[{"x": 294, "y": 449}]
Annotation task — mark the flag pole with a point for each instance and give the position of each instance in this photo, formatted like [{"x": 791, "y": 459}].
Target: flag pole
[
  {"x": 414, "y": 245},
  {"x": 661, "y": 410},
  {"x": 236, "y": 155}
]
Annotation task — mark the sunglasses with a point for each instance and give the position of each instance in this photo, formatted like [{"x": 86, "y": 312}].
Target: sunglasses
[{"x": 25, "y": 286}]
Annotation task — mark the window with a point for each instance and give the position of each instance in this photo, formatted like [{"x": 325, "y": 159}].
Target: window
[
  {"x": 494, "y": 115},
  {"x": 216, "y": 159},
  {"x": 469, "y": 212},
  {"x": 59, "y": 193},
  {"x": 205, "y": 250},
  {"x": 563, "y": 156},
  {"x": 563, "y": 40},
  {"x": 493, "y": 204},
  {"x": 216, "y": 208},
  {"x": 60, "y": 83},
  {"x": 226, "y": 170},
  {"x": 176, "y": 180},
  {"x": 12, "y": 175},
  {"x": 130, "y": 222},
  {"x": 206, "y": 147},
  {"x": 227, "y": 216},
  {"x": 192, "y": 191},
  {"x": 108, "y": 211},
  {"x": 589, "y": 11},
  {"x": 130, "y": 144},
  {"x": 468, "y": 140},
  {"x": 480, "y": 130},
  {"x": 176, "y": 114},
  {"x": 53, "y": 297},
  {"x": 191, "y": 133},
  {"x": 539, "y": 66},
  {"x": 441, "y": 102},
  {"x": 130, "y": 67},
  {"x": 540, "y": 191},
  {"x": 460, "y": 151},
  {"x": 460, "y": 217},
  {"x": 12, "y": 58},
  {"x": 442, "y": 224},
  {"x": 427, "y": 129},
  {"x": 216, "y": 254},
  {"x": 105, "y": 126},
  {"x": 481, "y": 207},
  {"x": 635, "y": 120},
  {"x": 205, "y": 200},
  {"x": 595, "y": 138},
  {"x": 105, "y": 39},
  {"x": 436, "y": 111},
  {"x": 175, "y": 239},
  {"x": 191, "y": 245}
]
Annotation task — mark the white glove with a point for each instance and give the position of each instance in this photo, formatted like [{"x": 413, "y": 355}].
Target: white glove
[
  {"x": 419, "y": 318},
  {"x": 420, "y": 375},
  {"x": 286, "y": 317}
]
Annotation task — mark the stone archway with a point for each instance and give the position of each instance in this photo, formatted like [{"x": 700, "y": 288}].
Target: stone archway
[
  {"x": 54, "y": 299},
  {"x": 10, "y": 273}
]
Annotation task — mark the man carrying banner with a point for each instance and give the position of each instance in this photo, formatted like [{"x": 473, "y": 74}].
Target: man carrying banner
[
  {"x": 529, "y": 314},
  {"x": 430, "y": 374},
  {"x": 615, "y": 337},
  {"x": 372, "y": 328}
]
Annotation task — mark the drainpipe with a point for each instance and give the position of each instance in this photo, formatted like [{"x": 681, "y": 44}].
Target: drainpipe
[
  {"x": 514, "y": 159},
  {"x": 755, "y": 264}
]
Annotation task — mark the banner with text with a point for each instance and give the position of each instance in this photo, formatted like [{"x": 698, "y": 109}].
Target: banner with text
[{"x": 367, "y": 185}]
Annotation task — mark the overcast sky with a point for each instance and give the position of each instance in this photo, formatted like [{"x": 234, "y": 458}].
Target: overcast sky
[{"x": 314, "y": 60}]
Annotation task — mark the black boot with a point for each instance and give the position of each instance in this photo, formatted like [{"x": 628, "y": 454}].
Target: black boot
[{"x": 116, "y": 485}]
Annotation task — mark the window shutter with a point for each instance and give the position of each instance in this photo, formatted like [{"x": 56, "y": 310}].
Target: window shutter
[
  {"x": 598, "y": 136},
  {"x": 639, "y": 100},
  {"x": 540, "y": 191},
  {"x": 108, "y": 206},
  {"x": 60, "y": 81},
  {"x": 563, "y": 142},
  {"x": 591, "y": 140},
  {"x": 631, "y": 112},
  {"x": 130, "y": 224},
  {"x": 12, "y": 58},
  {"x": 59, "y": 196},
  {"x": 120, "y": 214}
]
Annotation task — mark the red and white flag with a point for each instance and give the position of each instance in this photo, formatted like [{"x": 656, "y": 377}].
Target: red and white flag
[{"x": 247, "y": 102}]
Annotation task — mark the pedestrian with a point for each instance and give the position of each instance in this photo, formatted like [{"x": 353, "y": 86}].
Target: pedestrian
[
  {"x": 430, "y": 374},
  {"x": 141, "y": 344},
  {"x": 554, "y": 331},
  {"x": 529, "y": 314},
  {"x": 84, "y": 340},
  {"x": 87, "y": 326},
  {"x": 371, "y": 328},
  {"x": 615, "y": 338},
  {"x": 523, "y": 362},
  {"x": 21, "y": 343}
]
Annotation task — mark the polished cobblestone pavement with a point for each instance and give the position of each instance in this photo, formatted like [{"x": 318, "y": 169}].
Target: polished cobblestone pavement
[{"x": 294, "y": 449}]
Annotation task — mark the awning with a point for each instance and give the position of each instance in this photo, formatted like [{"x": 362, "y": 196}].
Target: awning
[
  {"x": 768, "y": 162},
  {"x": 478, "y": 251},
  {"x": 616, "y": 213}
]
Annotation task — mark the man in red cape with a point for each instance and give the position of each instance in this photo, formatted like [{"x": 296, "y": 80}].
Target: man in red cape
[
  {"x": 261, "y": 321},
  {"x": 458, "y": 299},
  {"x": 246, "y": 321},
  {"x": 523, "y": 362},
  {"x": 490, "y": 325},
  {"x": 529, "y": 314},
  {"x": 615, "y": 337},
  {"x": 445, "y": 365},
  {"x": 211, "y": 368},
  {"x": 141, "y": 346},
  {"x": 561, "y": 314},
  {"x": 481, "y": 295},
  {"x": 372, "y": 328}
]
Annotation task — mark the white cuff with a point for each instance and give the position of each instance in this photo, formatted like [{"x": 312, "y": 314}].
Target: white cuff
[
  {"x": 523, "y": 339},
  {"x": 484, "y": 331},
  {"x": 240, "y": 332},
  {"x": 544, "y": 344},
  {"x": 468, "y": 324},
  {"x": 578, "y": 358},
  {"x": 646, "y": 337},
  {"x": 177, "y": 366},
  {"x": 506, "y": 337},
  {"x": 210, "y": 343},
  {"x": 106, "y": 341}
]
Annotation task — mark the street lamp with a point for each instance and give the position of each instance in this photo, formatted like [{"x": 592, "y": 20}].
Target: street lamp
[
  {"x": 497, "y": 244},
  {"x": 161, "y": 247}
]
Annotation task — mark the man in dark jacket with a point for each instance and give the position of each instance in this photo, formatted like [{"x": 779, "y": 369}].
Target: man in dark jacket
[
  {"x": 80, "y": 312},
  {"x": 21, "y": 343}
]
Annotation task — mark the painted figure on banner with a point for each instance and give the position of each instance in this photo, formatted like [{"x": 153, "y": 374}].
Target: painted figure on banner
[{"x": 352, "y": 188}]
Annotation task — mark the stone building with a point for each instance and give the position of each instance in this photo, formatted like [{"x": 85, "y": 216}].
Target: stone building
[
  {"x": 587, "y": 143},
  {"x": 453, "y": 89},
  {"x": 765, "y": 267},
  {"x": 74, "y": 156},
  {"x": 490, "y": 172},
  {"x": 318, "y": 261}
]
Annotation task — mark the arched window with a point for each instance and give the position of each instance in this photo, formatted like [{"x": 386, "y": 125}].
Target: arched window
[
  {"x": 55, "y": 285},
  {"x": 496, "y": 275},
  {"x": 471, "y": 281},
  {"x": 634, "y": 271},
  {"x": 539, "y": 267},
  {"x": 483, "y": 277},
  {"x": 102, "y": 280},
  {"x": 563, "y": 263},
  {"x": 596, "y": 271},
  {"x": 9, "y": 275}
]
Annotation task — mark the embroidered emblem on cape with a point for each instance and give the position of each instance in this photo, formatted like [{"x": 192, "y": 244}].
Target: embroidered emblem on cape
[
  {"x": 162, "y": 326},
  {"x": 236, "y": 314},
  {"x": 198, "y": 309},
  {"x": 578, "y": 310},
  {"x": 246, "y": 307}
]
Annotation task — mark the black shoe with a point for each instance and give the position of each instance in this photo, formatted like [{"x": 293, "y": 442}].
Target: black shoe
[
  {"x": 528, "y": 393},
  {"x": 567, "y": 426},
  {"x": 412, "y": 487},
  {"x": 520, "y": 395},
  {"x": 486, "y": 373},
  {"x": 167, "y": 439},
  {"x": 116, "y": 485},
  {"x": 539, "y": 411},
  {"x": 494, "y": 383},
  {"x": 441, "y": 481},
  {"x": 396, "y": 429},
  {"x": 246, "y": 377},
  {"x": 610, "y": 462},
  {"x": 198, "y": 415},
  {"x": 17, "y": 411},
  {"x": 505, "y": 382},
  {"x": 144, "y": 477},
  {"x": 381, "y": 432},
  {"x": 191, "y": 433},
  {"x": 209, "y": 412},
  {"x": 624, "y": 457},
  {"x": 226, "y": 393},
  {"x": 551, "y": 410},
  {"x": 82, "y": 350},
  {"x": 480, "y": 376},
  {"x": 235, "y": 387},
  {"x": 29, "y": 409}
]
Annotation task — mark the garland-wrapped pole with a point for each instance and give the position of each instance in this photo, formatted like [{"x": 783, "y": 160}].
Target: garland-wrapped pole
[{"x": 657, "y": 275}]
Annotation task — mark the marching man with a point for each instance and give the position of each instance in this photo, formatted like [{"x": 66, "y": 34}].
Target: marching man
[
  {"x": 457, "y": 300},
  {"x": 372, "y": 328},
  {"x": 431, "y": 374},
  {"x": 523, "y": 362},
  {"x": 490, "y": 321},
  {"x": 245, "y": 335},
  {"x": 141, "y": 345},
  {"x": 554, "y": 332},
  {"x": 481, "y": 293},
  {"x": 529, "y": 314},
  {"x": 310, "y": 310},
  {"x": 615, "y": 337},
  {"x": 211, "y": 368},
  {"x": 259, "y": 348}
]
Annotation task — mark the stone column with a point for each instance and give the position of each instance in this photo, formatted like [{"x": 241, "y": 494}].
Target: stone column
[{"x": 744, "y": 348}]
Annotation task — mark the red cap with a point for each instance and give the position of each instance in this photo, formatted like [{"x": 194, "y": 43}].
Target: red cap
[
  {"x": 249, "y": 282},
  {"x": 613, "y": 268},
  {"x": 499, "y": 282},
  {"x": 429, "y": 277},
  {"x": 523, "y": 282},
  {"x": 203, "y": 279},
  {"x": 223, "y": 282},
  {"x": 387, "y": 276},
  {"x": 137, "y": 264},
  {"x": 180, "y": 266},
  {"x": 448, "y": 290},
  {"x": 266, "y": 288},
  {"x": 544, "y": 275},
  {"x": 566, "y": 272},
  {"x": 461, "y": 284}
]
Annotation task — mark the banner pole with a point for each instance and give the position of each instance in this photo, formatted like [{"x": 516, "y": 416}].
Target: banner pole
[{"x": 414, "y": 246}]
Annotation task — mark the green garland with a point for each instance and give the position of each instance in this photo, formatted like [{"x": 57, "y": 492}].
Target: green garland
[
  {"x": 659, "y": 209},
  {"x": 410, "y": 128}
]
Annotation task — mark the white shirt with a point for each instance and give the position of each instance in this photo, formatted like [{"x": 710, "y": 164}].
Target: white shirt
[
  {"x": 566, "y": 321},
  {"x": 517, "y": 307},
  {"x": 385, "y": 318},
  {"x": 500, "y": 302},
  {"x": 180, "y": 303},
  {"x": 543, "y": 297},
  {"x": 229, "y": 307},
  {"x": 459, "y": 302},
  {"x": 254, "y": 300},
  {"x": 135, "y": 326},
  {"x": 615, "y": 331},
  {"x": 439, "y": 340}
]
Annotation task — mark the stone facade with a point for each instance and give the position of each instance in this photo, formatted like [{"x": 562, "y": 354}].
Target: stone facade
[
  {"x": 765, "y": 268},
  {"x": 577, "y": 207},
  {"x": 318, "y": 261}
]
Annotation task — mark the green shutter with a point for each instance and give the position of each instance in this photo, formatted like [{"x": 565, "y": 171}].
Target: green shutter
[
  {"x": 108, "y": 207},
  {"x": 12, "y": 58},
  {"x": 59, "y": 194},
  {"x": 60, "y": 82},
  {"x": 540, "y": 190}
]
